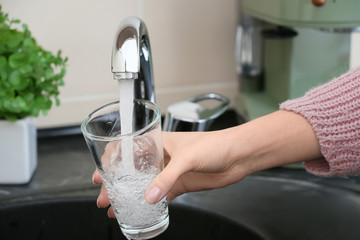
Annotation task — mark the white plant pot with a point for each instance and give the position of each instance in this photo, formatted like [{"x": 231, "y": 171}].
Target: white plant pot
[{"x": 18, "y": 151}]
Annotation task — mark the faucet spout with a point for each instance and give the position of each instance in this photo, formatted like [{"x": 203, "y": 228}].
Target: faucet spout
[{"x": 131, "y": 57}]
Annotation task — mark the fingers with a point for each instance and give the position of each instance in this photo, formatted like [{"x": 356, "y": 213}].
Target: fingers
[
  {"x": 164, "y": 182},
  {"x": 96, "y": 178},
  {"x": 111, "y": 213},
  {"x": 170, "y": 174},
  {"x": 103, "y": 200}
]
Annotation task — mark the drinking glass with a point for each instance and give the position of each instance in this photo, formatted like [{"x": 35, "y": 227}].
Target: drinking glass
[{"x": 127, "y": 163}]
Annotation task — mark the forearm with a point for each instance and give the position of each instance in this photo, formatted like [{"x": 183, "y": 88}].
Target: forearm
[
  {"x": 273, "y": 140},
  {"x": 333, "y": 110}
]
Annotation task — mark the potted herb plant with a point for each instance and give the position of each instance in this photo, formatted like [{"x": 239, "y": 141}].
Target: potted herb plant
[{"x": 29, "y": 80}]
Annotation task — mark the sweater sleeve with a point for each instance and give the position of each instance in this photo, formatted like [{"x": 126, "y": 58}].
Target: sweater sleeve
[{"x": 333, "y": 110}]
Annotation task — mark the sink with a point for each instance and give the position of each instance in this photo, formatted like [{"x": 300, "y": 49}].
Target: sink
[
  {"x": 276, "y": 204},
  {"x": 79, "y": 218},
  {"x": 283, "y": 204}
]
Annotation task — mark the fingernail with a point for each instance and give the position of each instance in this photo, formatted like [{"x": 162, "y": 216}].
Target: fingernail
[
  {"x": 93, "y": 179},
  {"x": 108, "y": 213},
  {"x": 153, "y": 195},
  {"x": 97, "y": 202}
]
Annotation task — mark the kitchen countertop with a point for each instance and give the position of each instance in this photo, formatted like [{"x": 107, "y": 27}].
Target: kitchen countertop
[
  {"x": 280, "y": 203},
  {"x": 64, "y": 165}
]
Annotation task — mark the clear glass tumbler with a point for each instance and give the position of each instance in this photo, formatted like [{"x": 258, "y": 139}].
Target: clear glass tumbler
[{"x": 128, "y": 163}]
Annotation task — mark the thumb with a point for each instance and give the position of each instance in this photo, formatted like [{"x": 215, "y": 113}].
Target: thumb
[{"x": 162, "y": 184}]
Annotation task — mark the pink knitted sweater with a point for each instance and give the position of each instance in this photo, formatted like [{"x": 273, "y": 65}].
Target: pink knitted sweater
[{"x": 333, "y": 110}]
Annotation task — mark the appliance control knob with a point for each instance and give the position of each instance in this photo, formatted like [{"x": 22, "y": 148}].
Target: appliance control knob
[{"x": 318, "y": 3}]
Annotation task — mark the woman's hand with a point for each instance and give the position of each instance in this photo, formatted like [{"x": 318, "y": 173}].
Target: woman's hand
[
  {"x": 195, "y": 161},
  {"x": 198, "y": 161},
  {"x": 206, "y": 160},
  {"x": 103, "y": 200}
]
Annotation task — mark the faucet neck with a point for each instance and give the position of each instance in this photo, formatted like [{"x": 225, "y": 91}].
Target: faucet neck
[{"x": 131, "y": 57}]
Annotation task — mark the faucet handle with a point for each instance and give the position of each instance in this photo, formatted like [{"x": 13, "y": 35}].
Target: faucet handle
[{"x": 190, "y": 115}]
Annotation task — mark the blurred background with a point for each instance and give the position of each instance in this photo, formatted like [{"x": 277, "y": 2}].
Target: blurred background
[
  {"x": 256, "y": 53},
  {"x": 192, "y": 43}
]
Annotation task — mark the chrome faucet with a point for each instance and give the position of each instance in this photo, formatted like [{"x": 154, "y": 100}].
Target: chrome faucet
[{"x": 131, "y": 57}]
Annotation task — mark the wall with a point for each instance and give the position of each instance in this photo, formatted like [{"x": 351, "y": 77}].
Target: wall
[{"x": 192, "y": 44}]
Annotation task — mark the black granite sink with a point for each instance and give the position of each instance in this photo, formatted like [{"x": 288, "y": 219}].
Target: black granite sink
[{"x": 79, "y": 218}]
